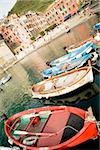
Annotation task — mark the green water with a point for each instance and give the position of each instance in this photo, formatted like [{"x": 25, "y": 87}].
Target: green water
[{"x": 16, "y": 94}]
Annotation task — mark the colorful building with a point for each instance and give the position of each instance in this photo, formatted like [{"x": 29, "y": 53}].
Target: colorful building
[
  {"x": 14, "y": 32},
  {"x": 60, "y": 10},
  {"x": 35, "y": 22}
]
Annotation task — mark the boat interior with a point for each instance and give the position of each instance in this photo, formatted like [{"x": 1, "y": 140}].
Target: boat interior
[
  {"x": 60, "y": 131},
  {"x": 57, "y": 83}
]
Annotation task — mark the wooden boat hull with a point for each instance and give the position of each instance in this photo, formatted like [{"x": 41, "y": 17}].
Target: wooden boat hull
[
  {"x": 88, "y": 131},
  {"x": 78, "y": 52},
  {"x": 64, "y": 67},
  {"x": 75, "y": 84}
]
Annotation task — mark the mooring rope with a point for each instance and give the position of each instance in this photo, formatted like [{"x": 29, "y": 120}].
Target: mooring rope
[
  {"x": 98, "y": 126},
  {"x": 96, "y": 69}
]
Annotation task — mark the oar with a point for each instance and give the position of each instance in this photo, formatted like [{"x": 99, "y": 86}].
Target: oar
[
  {"x": 18, "y": 132},
  {"x": 48, "y": 112}
]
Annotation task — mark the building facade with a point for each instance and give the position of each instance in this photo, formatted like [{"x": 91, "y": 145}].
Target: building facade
[
  {"x": 6, "y": 56},
  {"x": 59, "y": 11},
  {"x": 14, "y": 32},
  {"x": 35, "y": 22}
]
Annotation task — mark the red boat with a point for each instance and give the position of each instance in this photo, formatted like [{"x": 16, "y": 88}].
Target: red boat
[{"x": 51, "y": 128}]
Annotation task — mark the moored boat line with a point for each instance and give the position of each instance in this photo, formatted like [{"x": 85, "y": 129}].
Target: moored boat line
[{"x": 72, "y": 60}]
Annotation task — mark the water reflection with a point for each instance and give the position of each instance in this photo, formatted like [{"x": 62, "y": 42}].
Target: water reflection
[{"x": 81, "y": 94}]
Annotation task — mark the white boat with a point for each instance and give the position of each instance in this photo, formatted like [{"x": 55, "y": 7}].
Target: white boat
[
  {"x": 5, "y": 79},
  {"x": 63, "y": 83}
]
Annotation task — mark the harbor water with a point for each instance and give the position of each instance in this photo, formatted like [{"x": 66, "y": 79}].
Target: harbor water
[{"x": 15, "y": 95}]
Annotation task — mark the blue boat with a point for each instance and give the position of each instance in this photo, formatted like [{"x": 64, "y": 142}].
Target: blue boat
[
  {"x": 97, "y": 26},
  {"x": 78, "y": 52},
  {"x": 64, "y": 67}
]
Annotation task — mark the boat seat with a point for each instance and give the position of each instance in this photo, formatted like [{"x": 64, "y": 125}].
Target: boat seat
[
  {"x": 36, "y": 128},
  {"x": 74, "y": 124},
  {"x": 55, "y": 123},
  {"x": 20, "y": 125}
]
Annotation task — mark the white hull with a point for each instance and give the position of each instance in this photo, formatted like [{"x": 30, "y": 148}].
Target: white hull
[
  {"x": 5, "y": 79},
  {"x": 86, "y": 78}
]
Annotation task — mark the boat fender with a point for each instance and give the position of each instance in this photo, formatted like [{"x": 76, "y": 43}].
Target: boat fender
[
  {"x": 36, "y": 120},
  {"x": 94, "y": 56},
  {"x": 30, "y": 140},
  {"x": 10, "y": 141}
]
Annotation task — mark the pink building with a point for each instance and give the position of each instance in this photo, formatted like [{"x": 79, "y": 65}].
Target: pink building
[
  {"x": 59, "y": 10},
  {"x": 72, "y": 6},
  {"x": 15, "y": 33},
  {"x": 10, "y": 37}
]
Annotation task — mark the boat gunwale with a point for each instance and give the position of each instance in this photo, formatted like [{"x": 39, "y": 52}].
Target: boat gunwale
[
  {"x": 62, "y": 75},
  {"x": 61, "y": 145},
  {"x": 77, "y": 49},
  {"x": 77, "y": 65}
]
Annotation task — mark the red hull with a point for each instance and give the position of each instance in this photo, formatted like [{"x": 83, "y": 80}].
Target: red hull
[{"x": 89, "y": 130}]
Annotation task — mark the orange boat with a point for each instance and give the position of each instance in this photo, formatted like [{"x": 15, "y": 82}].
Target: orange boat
[{"x": 51, "y": 128}]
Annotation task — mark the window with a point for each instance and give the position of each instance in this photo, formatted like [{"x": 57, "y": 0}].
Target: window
[
  {"x": 21, "y": 49},
  {"x": 66, "y": 12},
  {"x": 73, "y": 6},
  {"x": 57, "y": 13},
  {"x": 63, "y": 7},
  {"x": 60, "y": 9}
]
